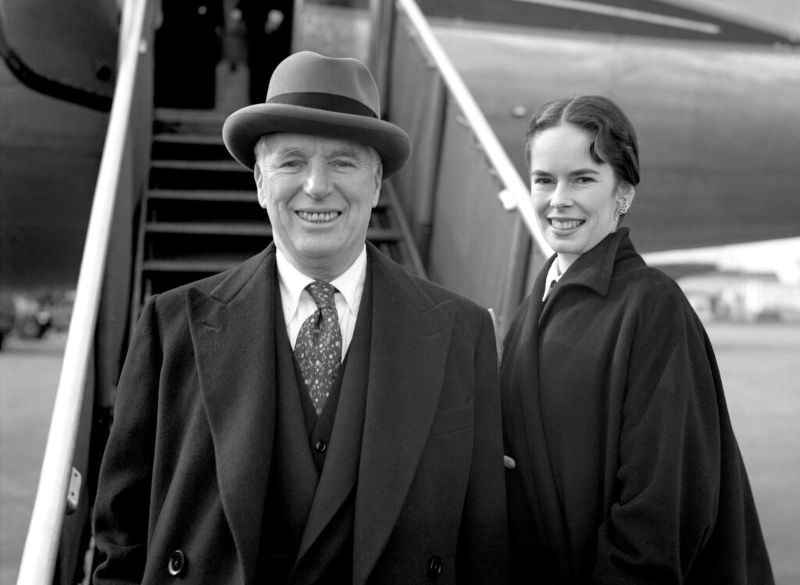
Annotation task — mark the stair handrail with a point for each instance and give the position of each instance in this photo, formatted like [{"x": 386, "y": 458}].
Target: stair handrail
[
  {"x": 39, "y": 555},
  {"x": 515, "y": 194}
]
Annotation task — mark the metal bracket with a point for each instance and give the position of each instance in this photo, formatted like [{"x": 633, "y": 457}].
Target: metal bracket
[
  {"x": 507, "y": 200},
  {"x": 73, "y": 491}
]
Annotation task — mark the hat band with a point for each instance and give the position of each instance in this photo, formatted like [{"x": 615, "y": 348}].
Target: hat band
[{"x": 323, "y": 101}]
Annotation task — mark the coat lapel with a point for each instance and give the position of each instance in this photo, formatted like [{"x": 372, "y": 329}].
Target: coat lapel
[
  {"x": 524, "y": 419},
  {"x": 236, "y": 373},
  {"x": 410, "y": 340}
]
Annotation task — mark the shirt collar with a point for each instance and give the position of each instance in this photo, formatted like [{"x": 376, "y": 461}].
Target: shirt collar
[
  {"x": 553, "y": 275},
  {"x": 293, "y": 282}
]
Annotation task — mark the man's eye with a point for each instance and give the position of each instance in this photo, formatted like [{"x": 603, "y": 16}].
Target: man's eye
[
  {"x": 542, "y": 180},
  {"x": 342, "y": 163},
  {"x": 291, "y": 163},
  {"x": 584, "y": 180}
]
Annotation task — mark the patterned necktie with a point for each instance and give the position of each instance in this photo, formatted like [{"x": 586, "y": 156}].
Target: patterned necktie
[{"x": 319, "y": 345}]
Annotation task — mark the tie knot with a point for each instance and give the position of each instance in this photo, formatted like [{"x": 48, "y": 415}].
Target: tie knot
[{"x": 322, "y": 293}]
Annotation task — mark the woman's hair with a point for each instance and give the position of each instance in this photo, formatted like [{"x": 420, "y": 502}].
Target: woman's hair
[{"x": 614, "y": 139}]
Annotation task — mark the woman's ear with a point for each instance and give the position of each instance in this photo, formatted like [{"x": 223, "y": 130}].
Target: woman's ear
[{"x": 625, "y": 195}]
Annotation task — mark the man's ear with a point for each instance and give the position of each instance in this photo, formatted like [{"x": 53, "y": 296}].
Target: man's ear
[
  {"x": 262, "y": 201},
  {"x": 378, "y": 182}
]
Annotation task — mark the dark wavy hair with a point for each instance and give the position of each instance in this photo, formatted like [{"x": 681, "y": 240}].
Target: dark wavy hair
[{"x": 614, "y": 140}]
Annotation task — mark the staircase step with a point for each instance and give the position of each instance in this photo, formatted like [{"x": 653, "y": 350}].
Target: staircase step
[
  {"x": 201, "y": 166},
  {"x": 221, "y": 196},
  {"x": 185, "y": 138},
  {"x": 210, "y": 228},
  {"x": 193, "y": 265}
]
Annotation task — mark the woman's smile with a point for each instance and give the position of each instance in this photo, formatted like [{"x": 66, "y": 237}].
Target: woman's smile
[{"x": 564, "y": 225}]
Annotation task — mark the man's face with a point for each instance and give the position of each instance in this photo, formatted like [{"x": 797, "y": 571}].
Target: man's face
[{"x": 319, "y": 194}]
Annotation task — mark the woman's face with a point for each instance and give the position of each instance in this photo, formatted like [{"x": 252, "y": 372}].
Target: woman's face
[{"x": 576, "y": 199}]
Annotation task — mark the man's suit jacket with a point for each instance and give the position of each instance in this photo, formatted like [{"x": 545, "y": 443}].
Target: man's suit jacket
[{"x": 183, "y": 480}]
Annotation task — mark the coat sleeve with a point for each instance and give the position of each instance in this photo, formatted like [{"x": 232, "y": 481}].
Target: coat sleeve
[
  {"x": 483, "y": 541},
  {"x": 668, "y": 477},
  {"x": 122, "y": 505}
]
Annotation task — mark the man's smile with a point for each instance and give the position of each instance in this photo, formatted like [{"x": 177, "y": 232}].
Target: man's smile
[{"x": 324, "y": 216}]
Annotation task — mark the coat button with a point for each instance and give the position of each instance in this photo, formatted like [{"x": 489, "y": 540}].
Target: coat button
[
  {"x": 176, "y": 565},
  {"x": 435, "y": 567},
  {"x": 320, "y": 447}
]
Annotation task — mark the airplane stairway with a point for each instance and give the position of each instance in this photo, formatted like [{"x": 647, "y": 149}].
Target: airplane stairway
[{"x": 200, "y": 214}]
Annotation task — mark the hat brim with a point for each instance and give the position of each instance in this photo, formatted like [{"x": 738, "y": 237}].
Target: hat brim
[{"x": 244, "y": 127}]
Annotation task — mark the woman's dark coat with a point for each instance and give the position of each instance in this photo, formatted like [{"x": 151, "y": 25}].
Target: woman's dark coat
[{"x": 627, "y": 468}]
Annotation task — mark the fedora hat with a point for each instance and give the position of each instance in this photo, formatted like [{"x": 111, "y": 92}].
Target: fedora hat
[{"x": 310, "y": 93}]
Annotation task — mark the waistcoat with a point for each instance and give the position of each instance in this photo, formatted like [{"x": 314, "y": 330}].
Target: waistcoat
[{"x": 307, "y": 530}]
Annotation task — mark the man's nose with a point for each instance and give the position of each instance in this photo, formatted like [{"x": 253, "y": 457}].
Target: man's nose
[{"x": 318, "y": 181}]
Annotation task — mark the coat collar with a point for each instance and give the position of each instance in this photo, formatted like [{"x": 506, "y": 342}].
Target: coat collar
[{"x": 593, "y": 269}]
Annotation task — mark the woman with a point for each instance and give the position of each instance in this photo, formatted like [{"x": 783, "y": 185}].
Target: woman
[{"x": 622, "y": 464}]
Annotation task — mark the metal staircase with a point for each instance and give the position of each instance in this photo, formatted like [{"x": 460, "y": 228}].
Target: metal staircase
[{"x": 200, "y": 214}]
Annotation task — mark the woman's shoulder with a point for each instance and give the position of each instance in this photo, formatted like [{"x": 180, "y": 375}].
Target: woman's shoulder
[
  {"x": 648, "y": 284},
  {"x": 660, "y": 306}
]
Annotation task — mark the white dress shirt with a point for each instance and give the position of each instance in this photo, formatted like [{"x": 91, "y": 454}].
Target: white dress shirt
[
  {"x": 298, "y": 305},
  {"x": 553, "y": 275}
]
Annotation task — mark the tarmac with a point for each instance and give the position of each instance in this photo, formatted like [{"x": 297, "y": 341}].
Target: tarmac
[{"x": 29, "y": 371}]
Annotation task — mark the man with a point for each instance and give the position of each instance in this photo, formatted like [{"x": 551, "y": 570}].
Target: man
[
  {"x": 188, "y": 46},
  {"x": 269, "y": 40},
  {"x": 265, "y": 432}
]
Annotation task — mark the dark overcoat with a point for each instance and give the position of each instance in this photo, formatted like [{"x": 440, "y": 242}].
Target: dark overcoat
[
  {"x": 188, "y": 459},
  {"x": 627, "y": 468}
]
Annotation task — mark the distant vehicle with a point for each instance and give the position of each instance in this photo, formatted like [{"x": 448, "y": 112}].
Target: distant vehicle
[
  {"x": 32, "y": 319},
  {"x": 23, "y": 314}
]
